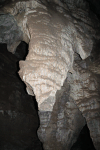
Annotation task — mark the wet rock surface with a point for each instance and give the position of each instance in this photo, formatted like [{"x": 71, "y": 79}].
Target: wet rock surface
[{"x": 18, "y": 117}]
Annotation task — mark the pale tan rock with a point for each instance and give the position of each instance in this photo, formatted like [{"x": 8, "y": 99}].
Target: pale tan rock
[
  {"x": 49, "y": 57},
  {"x": 51, "y": 52},
  {"x": 53, "y": 37}
]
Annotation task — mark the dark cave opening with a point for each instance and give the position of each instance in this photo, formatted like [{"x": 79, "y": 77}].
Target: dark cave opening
[
  {"x": 19, "y": 119},
  {"x": 84, "y": 141},
  {"x": 21, "y": 53},
  {"x": 95, "y": 7}
]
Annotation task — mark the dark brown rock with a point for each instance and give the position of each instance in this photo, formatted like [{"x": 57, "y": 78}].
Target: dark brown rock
[{"x": 18, "y": 117}]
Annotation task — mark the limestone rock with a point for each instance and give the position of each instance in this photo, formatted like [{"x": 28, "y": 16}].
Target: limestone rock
[
  {"x": 10, "y": 33},
  {"x": 51, "y": 50},
  {"x": 53, "y": 35},
  {"x": 48, "y": 60},
  {"x": 85, "y": 92},
  {"x": 60, "y": 129},
  {"x": 55, "y": 32}
]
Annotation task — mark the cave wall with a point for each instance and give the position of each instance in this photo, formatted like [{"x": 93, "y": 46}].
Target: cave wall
[
  {"x": 72, "y": 31},
  {"x": 18, "y": 117}
]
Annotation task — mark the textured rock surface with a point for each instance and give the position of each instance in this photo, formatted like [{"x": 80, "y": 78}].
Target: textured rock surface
[
  {"x": 48, "y": 61},
  {"x": 85, "y": 92},
  {"x": 10, "y": 33},
  {"x": 54, "y": 35},
  {"x": 18, "y": 117},
  {"x": 51, "y": 48},
  {"x": 55, "y": 32},
  {"x": 59, "y": 129}
]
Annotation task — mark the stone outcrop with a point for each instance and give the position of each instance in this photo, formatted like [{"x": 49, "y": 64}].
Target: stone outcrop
[
  {"x": 85, "y": 92},
  {"x": 54, "y": 35},
  {"x": 79, "y": 96},
  {"x": 60, "y": 128},
  {"x": 60, "y": 35},
  {"x": 10, "y": 32}
]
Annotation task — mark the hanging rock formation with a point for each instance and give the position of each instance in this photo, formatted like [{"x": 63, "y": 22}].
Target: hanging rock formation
[{"x": 57, "y": 32}]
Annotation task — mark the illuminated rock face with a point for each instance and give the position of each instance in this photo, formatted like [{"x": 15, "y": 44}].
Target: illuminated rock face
[
  {"x": 55, "y": 32},
  {"x": 85, "y": 92},
  {"x": 53, "y": 38},
  {"x": 50, "y": 55}
]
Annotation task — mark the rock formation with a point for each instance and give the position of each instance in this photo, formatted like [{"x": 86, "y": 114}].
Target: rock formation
[
  {"x": 85, "y": 92},
  {"x": 61, "y": 36}
]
